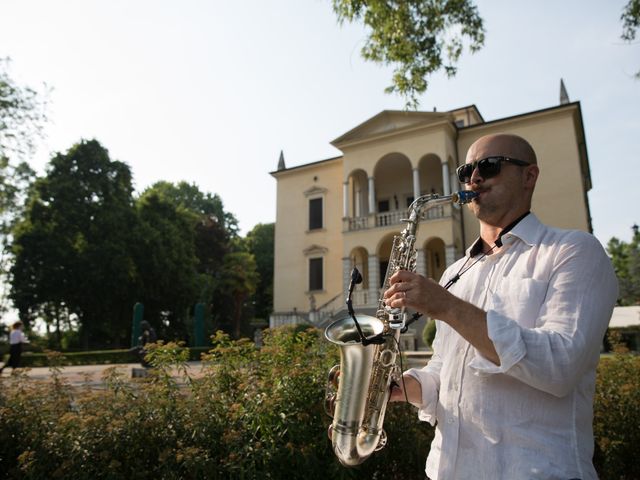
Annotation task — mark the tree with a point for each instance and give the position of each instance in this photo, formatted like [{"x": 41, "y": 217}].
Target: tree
[
  {"x": 630, "y": 22},
  {"x": 15, "y": 183},
  {"x": 22, "y": 119},
  {"x": 212, "y": 230},
  {"x": 418, "y": 37},
  {"x": 72, "y": 248},
  {"x": 166, "y": 260},
  {"x": 22, "y": 115},
  {"x": 239, "y": 281},
  {"x": 260, "y": 243},
  {"x": 626, "y": 263},
  {"x": 188, "y": 196}
]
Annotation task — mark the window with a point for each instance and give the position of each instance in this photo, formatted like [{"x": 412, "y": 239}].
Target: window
[
  {"x": 383, "y": 206},
  {"x": 315, "y": 274},
  {"x": 315, "y": 213},
  {"x": 409, "y": 201}
]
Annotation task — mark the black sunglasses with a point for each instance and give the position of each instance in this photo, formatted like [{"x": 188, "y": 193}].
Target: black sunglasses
[{"x": 488, "y": 167}]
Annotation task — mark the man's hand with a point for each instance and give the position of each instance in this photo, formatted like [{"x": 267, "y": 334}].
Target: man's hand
[
  {"x": 423, "y": 295},
  {"x": 414, "y": 391},
  {"x": 410, "y": 290}
]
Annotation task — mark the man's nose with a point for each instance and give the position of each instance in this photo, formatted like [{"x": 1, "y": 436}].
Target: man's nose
[{"x": 475, "y": 176}]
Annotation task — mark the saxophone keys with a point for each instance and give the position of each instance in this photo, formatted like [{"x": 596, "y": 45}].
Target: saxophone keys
[
  {"x": 382, "y": 442},
  {"x": 334, "y": 376}
]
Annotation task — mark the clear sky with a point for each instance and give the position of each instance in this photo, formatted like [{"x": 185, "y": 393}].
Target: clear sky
[{"x": 210, "y": 91}]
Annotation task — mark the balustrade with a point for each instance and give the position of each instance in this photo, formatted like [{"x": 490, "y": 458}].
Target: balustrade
[{"x": 395, "y": 217}]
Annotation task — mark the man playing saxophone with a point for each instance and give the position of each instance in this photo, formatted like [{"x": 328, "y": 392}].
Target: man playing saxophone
[{"x": 520, "y": 322}]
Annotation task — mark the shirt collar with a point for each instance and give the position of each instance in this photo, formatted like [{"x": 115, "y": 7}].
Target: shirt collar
[{"x": 527, "y": 230}]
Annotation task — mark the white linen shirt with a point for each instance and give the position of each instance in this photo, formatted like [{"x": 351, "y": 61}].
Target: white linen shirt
[{"x": 548, "y": 294}]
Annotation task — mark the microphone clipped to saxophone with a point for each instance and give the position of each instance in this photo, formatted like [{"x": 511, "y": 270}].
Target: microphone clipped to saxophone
[{"x": 358, "y": 388}]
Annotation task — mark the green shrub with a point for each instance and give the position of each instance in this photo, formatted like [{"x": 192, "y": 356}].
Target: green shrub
[
  {"x": 97, "y": 357},
  {"x": 616, "y": 422},
  {"x": 251, "y": 413},
  {"x": 429, "y": 332}
]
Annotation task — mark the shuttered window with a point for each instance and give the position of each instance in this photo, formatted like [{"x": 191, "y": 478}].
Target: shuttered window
[
  {"x": 315, "y": 274},
  {"x": 315, "y": 213}
]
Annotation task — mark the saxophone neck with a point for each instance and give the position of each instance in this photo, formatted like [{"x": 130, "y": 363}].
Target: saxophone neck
[{"x": 431, "y": 200}]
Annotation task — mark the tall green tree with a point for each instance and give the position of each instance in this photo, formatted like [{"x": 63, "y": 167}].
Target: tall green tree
[
  {"x": 22, "y": 115},
  {"x": 239, "y": 281},
  {"x": 22, "y": 120},
  {"x": 417, "y": 37},
  {"x": 260, "y": 243},
  {"x": 213, "y": 231},
  {"x": 72, "y": 248},
  {"x": 626, "y": 263},
  {"x": 190, "y": 197},
  {"x": 15, "y": 183},
  {"x": 630, "y": 23},
  {"x": 165, "y": 256}
]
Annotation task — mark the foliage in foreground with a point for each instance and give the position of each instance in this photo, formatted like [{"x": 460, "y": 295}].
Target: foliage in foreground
[
  {"x": 250, "y": 413},
  {"x": 617, "y": 415}
]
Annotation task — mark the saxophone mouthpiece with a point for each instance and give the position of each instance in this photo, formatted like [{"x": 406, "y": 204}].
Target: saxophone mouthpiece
[{"x": 464, "y": 196}]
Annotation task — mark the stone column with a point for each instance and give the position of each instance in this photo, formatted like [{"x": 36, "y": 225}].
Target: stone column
[
  {"x": 416, "y": 183},
  {"x": 446, "y": 181},
  {"x": 421, "y": 263},
  {"x": 372, "y": 196},
  {"x": 374, "y": 279},
  {"x": 346, "y": 273},
  {"x": 345, "y": 199}
]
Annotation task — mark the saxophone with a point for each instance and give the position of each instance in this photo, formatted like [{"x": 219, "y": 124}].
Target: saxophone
[{"x": 358, "y": 389}]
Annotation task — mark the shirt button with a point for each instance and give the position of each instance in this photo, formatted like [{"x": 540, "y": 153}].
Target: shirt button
[{"x": 451, "y": 420}]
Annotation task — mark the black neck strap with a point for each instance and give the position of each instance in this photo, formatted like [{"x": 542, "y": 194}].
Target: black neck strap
[
  {"x": 509, "y": 227},
  {"x": 477, "y": 248}
]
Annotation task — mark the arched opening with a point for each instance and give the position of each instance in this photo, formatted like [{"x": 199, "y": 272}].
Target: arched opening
[
  {"x": 360, "y": 260},
  {"x": 393, "y": 183},
  {"x": 435, "y": 258},
  {"x": 430, "y": 168},
  {"x": 358, "y": 191},
  {"x": 384, "y": 253}
]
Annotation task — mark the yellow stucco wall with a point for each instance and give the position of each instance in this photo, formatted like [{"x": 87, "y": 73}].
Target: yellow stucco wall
[
  {"x": 560, "y": 199},
  {"x": 292, "y": 236}
]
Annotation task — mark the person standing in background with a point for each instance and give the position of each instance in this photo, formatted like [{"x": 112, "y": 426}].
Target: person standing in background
[{"x": 16, "y": 339}]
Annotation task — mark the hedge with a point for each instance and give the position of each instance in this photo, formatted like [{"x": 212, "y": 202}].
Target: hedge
[
  {"x": 252, "y": 414},
  {"x": 96, "y": 357}
]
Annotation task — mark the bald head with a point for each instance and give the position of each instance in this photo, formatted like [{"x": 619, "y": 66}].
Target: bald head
[{"x": 502, "y": 144}]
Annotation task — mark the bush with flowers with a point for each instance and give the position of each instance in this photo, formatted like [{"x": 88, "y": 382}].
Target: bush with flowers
[{"x": 251, "y": 413}]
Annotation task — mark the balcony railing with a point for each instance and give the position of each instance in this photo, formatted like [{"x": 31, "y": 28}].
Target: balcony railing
[{"x": 396, "y": 217}]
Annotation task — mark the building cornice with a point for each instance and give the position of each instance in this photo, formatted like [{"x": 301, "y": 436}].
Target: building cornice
[
  {"x": 279, "y": 173},
  {"x": 523, "y": 116},
  {"x": 411, "y": 129}
]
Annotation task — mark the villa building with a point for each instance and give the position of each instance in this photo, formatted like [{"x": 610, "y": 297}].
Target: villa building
[{"x": 342, "y": 212}]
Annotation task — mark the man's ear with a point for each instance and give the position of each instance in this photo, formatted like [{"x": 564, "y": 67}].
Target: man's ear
[{"x": 531, "y": 175}]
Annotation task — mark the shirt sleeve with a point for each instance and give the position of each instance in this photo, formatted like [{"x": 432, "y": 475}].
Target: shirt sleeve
[
  {"x": 572, "y": 320},
  {"x": 429, "y": 379}
]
